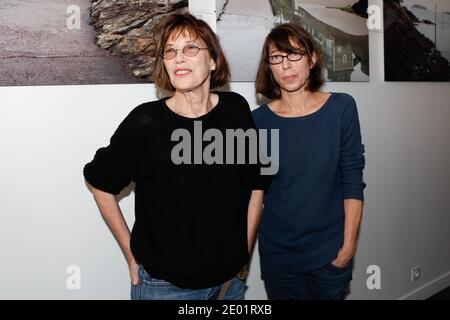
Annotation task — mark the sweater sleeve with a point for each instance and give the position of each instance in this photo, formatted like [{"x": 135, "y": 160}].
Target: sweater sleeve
[
  {"x": 258, "y": 181},
  {"x": 352, "y": 161},
  {"x": 261, "y": 180},
  {"x": 113, "y": 167}
]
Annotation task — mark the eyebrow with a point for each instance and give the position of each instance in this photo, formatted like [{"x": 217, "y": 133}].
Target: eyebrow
[
  {"x": 187, "y": 42},
  {"x": 278, "y": 50}
]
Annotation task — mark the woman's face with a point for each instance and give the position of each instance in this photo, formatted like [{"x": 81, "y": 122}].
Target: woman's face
[
  {"x": 291, "y": 75},
  {"x": 187, "y": 72}
]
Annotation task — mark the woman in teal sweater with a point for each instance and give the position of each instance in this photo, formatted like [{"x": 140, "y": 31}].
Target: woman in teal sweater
[{"x": 312, "y": 209}]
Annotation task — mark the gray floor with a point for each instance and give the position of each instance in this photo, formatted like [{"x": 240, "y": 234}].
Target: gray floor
[{"x": 443, "y": 295}]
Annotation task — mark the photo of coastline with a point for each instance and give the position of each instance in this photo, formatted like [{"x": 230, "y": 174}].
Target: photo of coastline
[
  {"x": 339, "y": 26},
  {"x": 417, "y": 40},
  {"x": 77, "y": 42}
]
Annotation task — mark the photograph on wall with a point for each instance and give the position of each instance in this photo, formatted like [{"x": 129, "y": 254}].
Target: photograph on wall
[
  {"x": 339, "y": 27},
  {"x": 76, "y": 42},
  {"x": 417, "y": 40}
]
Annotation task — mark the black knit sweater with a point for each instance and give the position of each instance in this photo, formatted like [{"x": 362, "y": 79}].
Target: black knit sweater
[{"x": 191, "y": 219}]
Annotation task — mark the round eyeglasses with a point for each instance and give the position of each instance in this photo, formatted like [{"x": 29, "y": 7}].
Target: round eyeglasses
[
  {"x": 278, "y": 58},
  {"x": 190, "y": 50}
]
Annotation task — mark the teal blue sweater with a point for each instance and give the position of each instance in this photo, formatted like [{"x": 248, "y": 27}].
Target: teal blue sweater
[{"x": 321, "y": 163}]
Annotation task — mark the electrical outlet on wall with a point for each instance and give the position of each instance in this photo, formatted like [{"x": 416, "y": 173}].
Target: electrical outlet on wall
[{"x": 415, "y": 273}]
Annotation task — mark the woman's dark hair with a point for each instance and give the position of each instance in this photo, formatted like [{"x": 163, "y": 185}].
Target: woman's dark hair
[
  {"x": 280, "y": 37},
  {"x": 177, "y": 24}
]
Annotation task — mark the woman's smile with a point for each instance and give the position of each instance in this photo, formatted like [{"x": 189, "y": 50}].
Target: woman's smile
[{"x": 182, "y": 72}]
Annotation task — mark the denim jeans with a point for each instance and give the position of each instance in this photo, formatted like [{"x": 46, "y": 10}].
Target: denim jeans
[
  {"x": 325, "y": 283},
  {"x": 150, "y": 288}
]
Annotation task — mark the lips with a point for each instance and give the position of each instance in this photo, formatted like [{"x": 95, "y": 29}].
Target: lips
[
  {"x": 289, "y": 77},
  {"x": 182, "y": 72}
]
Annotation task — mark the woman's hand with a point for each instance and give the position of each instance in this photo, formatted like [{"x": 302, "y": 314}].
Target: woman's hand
[
  {"x": 343, "y": 258},
  {"x": 134, "y": 272}
]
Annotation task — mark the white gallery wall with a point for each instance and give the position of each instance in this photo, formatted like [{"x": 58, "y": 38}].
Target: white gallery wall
[{"x": 51, "y": 230}]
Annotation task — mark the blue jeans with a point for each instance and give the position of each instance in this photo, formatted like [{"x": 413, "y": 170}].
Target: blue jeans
[
  {"x": 326, "y": 283},
  {"x": 150, "y": 288}
]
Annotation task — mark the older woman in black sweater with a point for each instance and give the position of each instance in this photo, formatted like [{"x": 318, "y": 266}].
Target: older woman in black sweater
[{"x": 195, "y": 219}]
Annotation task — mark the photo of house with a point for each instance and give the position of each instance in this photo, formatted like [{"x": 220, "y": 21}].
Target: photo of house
[{"x": 339, "y": 26}]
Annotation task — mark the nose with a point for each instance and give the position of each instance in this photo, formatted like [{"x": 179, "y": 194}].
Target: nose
[
  {"x": 180, "y": 56},
  {"x": 285, "y": 63}
]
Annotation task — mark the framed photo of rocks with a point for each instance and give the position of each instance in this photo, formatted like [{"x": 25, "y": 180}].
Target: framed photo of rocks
[
  {"x": 54, "y": 42},
  {"x": 417, "y": 40},
  {"x": 339, "y": 26}
]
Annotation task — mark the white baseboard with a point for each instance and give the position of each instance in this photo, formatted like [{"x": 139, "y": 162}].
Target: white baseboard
[{"x": 429, "y": 289}]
